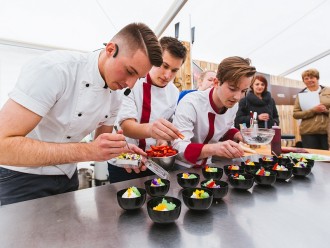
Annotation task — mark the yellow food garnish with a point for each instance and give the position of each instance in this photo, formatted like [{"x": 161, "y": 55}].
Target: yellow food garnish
[{"x": 160, "y": 207}]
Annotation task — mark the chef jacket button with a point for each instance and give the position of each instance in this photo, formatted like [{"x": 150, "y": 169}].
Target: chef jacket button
[
  {"x": 68, "y": 137},
  {"x": 87, "y": 85},
  {"x": 106, "y": 116},
  {"x": 80, "y": 114}
]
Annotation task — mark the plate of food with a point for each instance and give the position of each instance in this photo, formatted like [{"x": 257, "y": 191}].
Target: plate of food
[
  {"x": 127, "y": 160},
  {"x": 315, "y": 157}
]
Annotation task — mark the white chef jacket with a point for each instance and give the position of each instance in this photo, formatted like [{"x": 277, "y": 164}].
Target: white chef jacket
[
  {"x": 198, "y": 119},
  {"x": 147, "y": 103},
  {"x": 67, "y": 90}
]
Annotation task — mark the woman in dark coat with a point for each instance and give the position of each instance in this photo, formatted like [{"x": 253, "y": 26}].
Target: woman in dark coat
[{"x": 258, "y": 100}]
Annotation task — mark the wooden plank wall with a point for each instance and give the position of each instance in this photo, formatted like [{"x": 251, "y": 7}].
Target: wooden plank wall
[
  {"x": 206, "y": 66},
  {"x": 183, "y": 79},
  {"x": 288, "y": 124}
]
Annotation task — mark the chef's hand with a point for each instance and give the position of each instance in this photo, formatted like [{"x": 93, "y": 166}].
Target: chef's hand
[
  {"x": 263, "y": 117},
  {"x": 109, "y": 145},
  {"x": 134, "y": 149},
  {"x": 163, "y": 129},
  {"x": 136, "y": 170},
  {"x": 238, "y": 137},
  {"x": 139, "y": 169},
  {"x": 161, "y": 143},
  {"x": 228, "y": 149}
]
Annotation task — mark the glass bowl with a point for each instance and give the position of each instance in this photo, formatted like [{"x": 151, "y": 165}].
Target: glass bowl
[{"x": 259, "y": 136}]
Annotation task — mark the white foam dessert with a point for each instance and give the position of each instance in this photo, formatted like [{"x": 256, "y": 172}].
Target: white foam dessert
[{"x": 131, "y": 192}]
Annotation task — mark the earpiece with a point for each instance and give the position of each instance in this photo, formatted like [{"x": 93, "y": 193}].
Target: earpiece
[{"x": 116, "y": 52}]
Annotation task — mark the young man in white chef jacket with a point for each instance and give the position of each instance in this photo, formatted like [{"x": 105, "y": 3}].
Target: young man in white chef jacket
[
  {"x": 205, "y": 117},
  {"x": 146, "y": 112},
  {"x": 59, "y": 98}
]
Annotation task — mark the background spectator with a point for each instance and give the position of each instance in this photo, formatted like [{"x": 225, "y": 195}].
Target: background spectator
[
  {"x": 314, "y": 122},
  {"x": 259, "y": 100}
]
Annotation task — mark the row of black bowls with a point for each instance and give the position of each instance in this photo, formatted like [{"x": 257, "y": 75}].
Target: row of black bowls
[
  {"x": 158, "y": 193},
  {"x": 268, "y": 166},
  {"x": 165, "y": 216}
]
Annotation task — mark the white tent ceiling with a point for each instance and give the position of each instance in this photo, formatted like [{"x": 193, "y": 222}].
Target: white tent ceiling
[{"x": 276, "y": 35}]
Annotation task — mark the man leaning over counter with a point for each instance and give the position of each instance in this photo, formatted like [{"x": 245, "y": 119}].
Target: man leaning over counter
[{"x": 59, "y": 98}]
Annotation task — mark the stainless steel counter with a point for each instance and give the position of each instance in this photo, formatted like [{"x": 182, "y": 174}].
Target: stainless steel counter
[{"x": 288, "y": 214}]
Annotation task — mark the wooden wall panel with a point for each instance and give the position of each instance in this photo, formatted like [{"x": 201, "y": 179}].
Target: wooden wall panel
[{"x": 183, "y": 79}]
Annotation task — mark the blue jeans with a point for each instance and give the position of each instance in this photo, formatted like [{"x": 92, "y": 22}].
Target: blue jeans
[{"x": 18, "y": 186}]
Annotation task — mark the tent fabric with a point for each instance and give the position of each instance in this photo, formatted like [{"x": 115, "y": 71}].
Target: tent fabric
[{"x": 276, "y": 35}]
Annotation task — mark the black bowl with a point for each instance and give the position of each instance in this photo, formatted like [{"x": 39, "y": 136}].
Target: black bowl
[
  {"x": 283, "y": 160},
  {"x": 131, "y": 203},
  {"x": 242, "y": 184},
  {"x": 218, "y": 193},
  {"x": 196, "y": 204},
  {"x": 187, "y": 182},
  {"x": 283, "y": 175},
  {"x": 229, "y": 172},
  {"x": 250, "y": 168},
  {"x": 301, "y": 172},
  {"x": 268, "y": 165},
  {"x": 157, "y": 190},
  {"x": 310, "y": 162},
  {"x": 163, "y": 217},
  {"x": 212, "y": 175},
  {"x": 265, "y": 180}
]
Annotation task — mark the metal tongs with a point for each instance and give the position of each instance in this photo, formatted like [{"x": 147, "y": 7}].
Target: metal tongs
[
  {"x": 156, "y": 168},
  {"x": 151, "y": 165}
]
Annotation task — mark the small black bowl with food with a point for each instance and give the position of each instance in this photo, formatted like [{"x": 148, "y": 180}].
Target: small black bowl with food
[
  {"x": 164, "y": 209},
  {"x": 267, "y": 162},
  {"x": 129, "y": 199},
  {"x": 219, "y": 188},
  {"x": 197, "y": 198},
  {"x": 157, "y": 187},
  {"x": 282, "y": 172},
  {"x": 301, "y": 169},
  {"x": 250, "y": 166},
  {"x": 265, "y": 177},
  {"x": 243, "y": 181},
  {"x": 233, "y": 169},
  {"x": 188, "y": 180},
  {"x": 212, "y": 172}
]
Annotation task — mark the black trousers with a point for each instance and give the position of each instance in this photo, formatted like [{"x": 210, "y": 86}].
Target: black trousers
[
  {"x": 117, "y": 174},
  {"x": 315, "y": 141},
  {"x": 17, "y": 186}
]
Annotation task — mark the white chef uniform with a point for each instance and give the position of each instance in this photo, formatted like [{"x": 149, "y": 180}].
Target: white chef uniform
[
  {"x": 199, "y": 121},
  {"x": 147, "y": 103},
  {"x": 67, "y": 90}
]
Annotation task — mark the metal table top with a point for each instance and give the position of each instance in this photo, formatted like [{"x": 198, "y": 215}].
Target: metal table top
[{"x": 294, "y": 213}]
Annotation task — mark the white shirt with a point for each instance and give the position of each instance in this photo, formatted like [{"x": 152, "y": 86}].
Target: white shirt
[
  {"x": 67, "y": 90},
  {"x": 318, "y": 90},
  {"x": 162, "y": 102},
  {"x": 198, "y": 120}
]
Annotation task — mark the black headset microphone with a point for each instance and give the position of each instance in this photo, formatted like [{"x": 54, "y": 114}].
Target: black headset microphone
[
  {"x": 116, "y": 52},
  {"x": 127, "y": 91}
]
